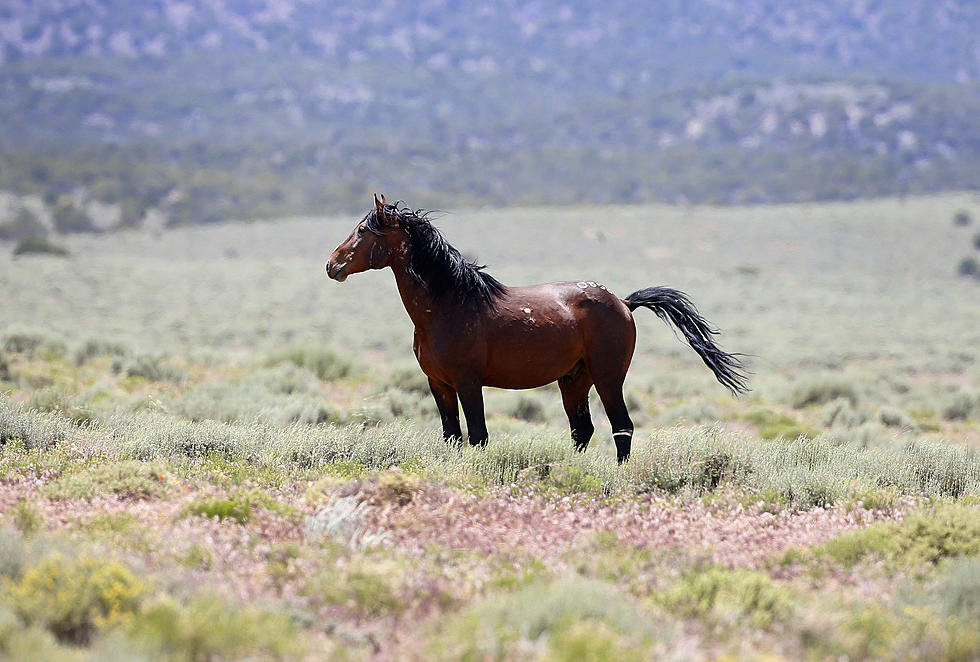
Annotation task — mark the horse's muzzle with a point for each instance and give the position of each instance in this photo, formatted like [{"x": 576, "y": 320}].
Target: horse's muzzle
[{"x": 337, "y": 271}]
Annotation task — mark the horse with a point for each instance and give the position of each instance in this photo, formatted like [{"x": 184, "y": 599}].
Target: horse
[{"x": 472, "y": 331}]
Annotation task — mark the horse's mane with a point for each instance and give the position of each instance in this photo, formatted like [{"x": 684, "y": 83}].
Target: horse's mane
[{"x": 433, "y": 262}]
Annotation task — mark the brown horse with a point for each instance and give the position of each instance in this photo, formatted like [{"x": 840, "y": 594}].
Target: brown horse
[{"x": 472, "y": 331}]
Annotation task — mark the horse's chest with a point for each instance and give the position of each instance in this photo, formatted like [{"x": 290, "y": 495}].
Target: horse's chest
[
  {"x": 439, "y": 360},
  {"x": 427, "y": 358}
]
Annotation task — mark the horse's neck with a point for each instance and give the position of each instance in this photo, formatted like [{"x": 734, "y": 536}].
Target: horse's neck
[{"x": 418, "y": 301}]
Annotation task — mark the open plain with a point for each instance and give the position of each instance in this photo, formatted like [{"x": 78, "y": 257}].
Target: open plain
[{"x": 210, "y": 451}]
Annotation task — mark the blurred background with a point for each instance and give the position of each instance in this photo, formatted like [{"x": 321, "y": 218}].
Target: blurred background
[{"x": 175, "y": 112}]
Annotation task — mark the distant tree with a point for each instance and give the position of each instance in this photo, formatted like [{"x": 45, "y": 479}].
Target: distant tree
[
  {"x": 968, "y": 267},
  {"x": 976, "y": 241},
  {"x": 39, "y": 246},
  {"x": 69, "y": 218},
  {"x": 24, "y": 224},
  {"x": 962, "y": 218}
]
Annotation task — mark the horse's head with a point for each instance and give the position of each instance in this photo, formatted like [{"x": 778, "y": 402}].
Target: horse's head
[{"x": 370, "y": 245}]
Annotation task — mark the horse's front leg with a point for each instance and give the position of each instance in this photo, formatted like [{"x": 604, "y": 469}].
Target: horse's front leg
[
  {"x": 471, "y": 397},
  {"x": 445, "y": 397}
]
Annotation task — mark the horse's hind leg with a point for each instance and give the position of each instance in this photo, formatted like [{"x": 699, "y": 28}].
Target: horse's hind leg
[
  {"x": 574, "y": 389},
  {"x": 611, "y": 394},
  {"x": 609, "y": 373}
]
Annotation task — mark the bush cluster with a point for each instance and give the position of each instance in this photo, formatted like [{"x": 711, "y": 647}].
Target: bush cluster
[
  {"x": 73, "y": 598},
  {"x": 127, "y": 478},
  {"x": 326, "y": 363}
]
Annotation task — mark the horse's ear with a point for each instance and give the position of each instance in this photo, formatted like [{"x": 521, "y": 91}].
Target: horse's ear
[{"x": 379, "y": 208}]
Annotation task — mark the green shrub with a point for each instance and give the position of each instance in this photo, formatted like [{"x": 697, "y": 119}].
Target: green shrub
[
  {"x": 23, "y": 225},
  {"x": 19, "y": 641},
  {"x": 94, "y": 347},
  {"x": 775, "y": 425},
  {"x": 504, "y": 626},
  {"x": 961, "y": 406},
  {"x": 285, "y": 379},
  {"x": 589, "y": 641},
  {"x": 73, "y": 598},
  {"x": 691, "y": 412},
  {"x": 409, "y": 378},
  {"x": 562, "y": 478},
  {"x": 968, "y": 266},
  {"x": 410, "y": 404},
  {"x": 127, "y": 478},
  {"x": 932, "y": 620},
  {"x": 152, "y": 368},
  {"x": 804, "y": 472},
  {"x": 875, "y": 499},
  {"x": 960, "y": 590},
  {"x": 702, "y": 461},
  {"x": 27, "y": 519},
  {"x": 55, "y": 400},
  {"x": 503, "y": 460},
  {"x": 39, "y": 246},
  {"x": 280, "y": 395},
  {"x": 5, "y": 374},
  {"x": 345, "y": 469},
  {"x": 728, "y": 597},
  {"x": 926, "y": 536},
  {"x": 371, "y": 593},
  {"x": 68, "y": 217},
  {"x": 841, "y": 413},
  {"x": 33, "y": 342},
  {"x": 236, "y": 509},
  {"x": 391, "y": 487},
  {"x": 821, "y": 390},
  {"x": 208, "y": 628},
  {"x": 528, "y": 408},
  {"x": 13, "y": 552},
  {"x": 33, "y": 429},
  {"x": 326, "y": 363},
  {"x": 896, "y": 418}
]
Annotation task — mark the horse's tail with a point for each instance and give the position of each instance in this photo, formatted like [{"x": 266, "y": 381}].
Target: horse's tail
[{"x": 674, "y": 306}]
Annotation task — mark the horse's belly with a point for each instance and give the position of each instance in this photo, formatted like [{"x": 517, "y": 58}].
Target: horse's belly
[{"x": 530, "y": 360}]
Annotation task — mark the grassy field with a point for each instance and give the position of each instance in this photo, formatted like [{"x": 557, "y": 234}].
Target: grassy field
[{"x": 209, "y": 451}]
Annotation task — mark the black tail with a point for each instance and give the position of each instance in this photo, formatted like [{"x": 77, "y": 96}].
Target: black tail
[{"x": 674, "y": 306}]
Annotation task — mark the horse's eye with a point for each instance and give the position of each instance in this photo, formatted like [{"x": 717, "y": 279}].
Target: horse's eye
[{"x": 361, "y": 230}]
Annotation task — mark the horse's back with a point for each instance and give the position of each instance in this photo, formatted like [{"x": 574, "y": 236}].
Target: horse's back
[{"x": 539, "y": 333}]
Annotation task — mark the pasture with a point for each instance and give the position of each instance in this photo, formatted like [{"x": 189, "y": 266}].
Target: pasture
[{"x": 226, "y": 455}]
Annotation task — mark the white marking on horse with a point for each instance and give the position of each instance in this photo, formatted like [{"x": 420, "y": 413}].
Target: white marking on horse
[{"x": 526, "y": 310}]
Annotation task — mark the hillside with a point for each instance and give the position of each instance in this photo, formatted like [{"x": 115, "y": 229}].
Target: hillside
[{"x": 177, "y": 112}]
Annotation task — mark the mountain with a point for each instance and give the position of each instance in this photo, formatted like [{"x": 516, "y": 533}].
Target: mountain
[{"x": 174, "y": 111}]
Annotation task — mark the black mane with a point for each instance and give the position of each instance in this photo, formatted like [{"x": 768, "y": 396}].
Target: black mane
[{"x": 434, "y": 263}]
